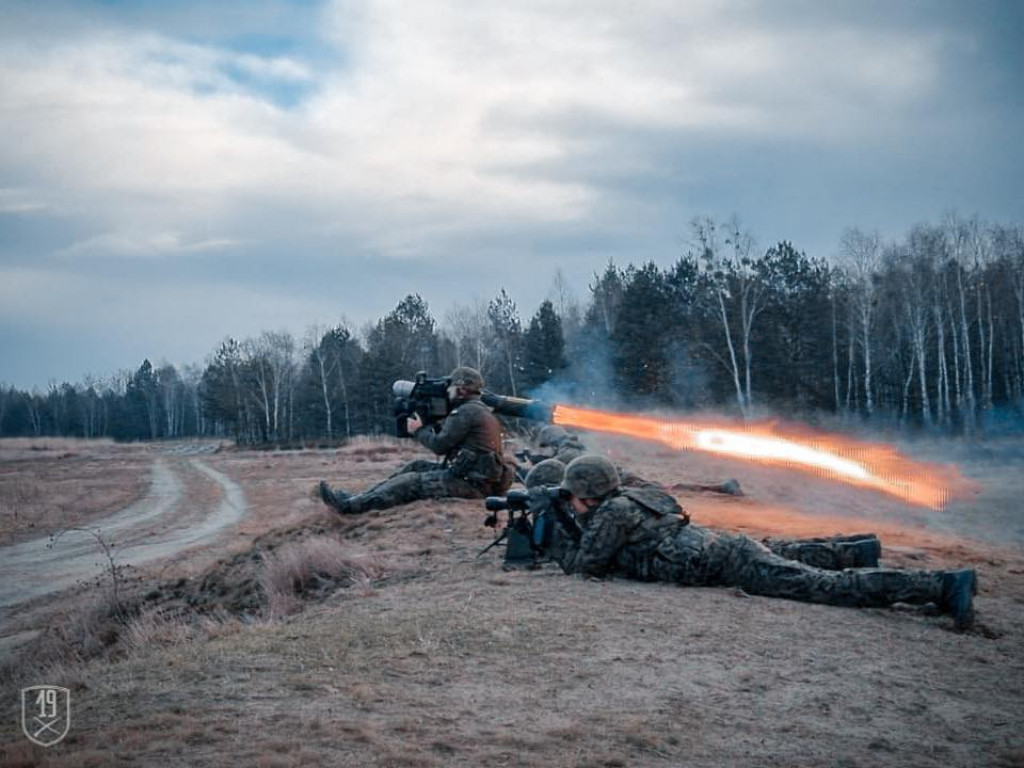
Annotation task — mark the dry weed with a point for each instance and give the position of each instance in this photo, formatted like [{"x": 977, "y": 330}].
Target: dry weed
[
  {"x": 314, "y": 566},
  {"x": 17, "y": 497},
  {"x": 153, "y": 628},
  {"x": 20, "y": 755},
  {"x": 75, "y": 634}
]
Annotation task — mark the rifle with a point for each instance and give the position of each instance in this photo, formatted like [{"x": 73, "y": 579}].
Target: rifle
[
  {"x": 428, "y": 399},
  {"x": 526, "y": 532}
]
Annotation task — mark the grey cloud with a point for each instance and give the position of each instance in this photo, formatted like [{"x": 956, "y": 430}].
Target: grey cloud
[{"x": 453, "y": 152}]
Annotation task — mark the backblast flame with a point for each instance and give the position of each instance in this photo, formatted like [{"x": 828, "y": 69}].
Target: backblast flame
[{"x": 836, "y": 457}]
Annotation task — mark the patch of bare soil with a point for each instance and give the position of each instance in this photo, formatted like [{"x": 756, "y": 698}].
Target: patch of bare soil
[{"x": 414, "y": 652}]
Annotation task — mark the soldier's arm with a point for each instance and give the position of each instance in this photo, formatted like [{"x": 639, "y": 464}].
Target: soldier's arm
[
  {"x": 540, "y": 502},
  {"x": 603, "y": 536},
  {"x": 453, "y": 432}
]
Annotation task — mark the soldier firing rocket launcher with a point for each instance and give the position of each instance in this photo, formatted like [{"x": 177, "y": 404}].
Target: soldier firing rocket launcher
[
  {"x": 835, "y": 457},
  {"x": 428, "y": 399}
]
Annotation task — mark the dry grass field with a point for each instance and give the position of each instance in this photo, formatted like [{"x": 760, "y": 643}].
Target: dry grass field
[
  {"x": 293, "y": 638},
  {"x": 47, "y": 482}
]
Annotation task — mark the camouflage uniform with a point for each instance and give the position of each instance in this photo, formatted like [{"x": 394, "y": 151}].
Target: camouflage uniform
[
  {"x": 858, "y": 550},
  {"x": 569, "y": 450},
  {"x": 643, "y": 534},
  {"x": 473, "y": 467},
  {"x": 833, "y": 553},
  {"x": 555, "y": 442}
]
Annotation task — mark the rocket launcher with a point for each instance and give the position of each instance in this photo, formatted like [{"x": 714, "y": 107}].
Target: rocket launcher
[{"x": 428, "y": 398}]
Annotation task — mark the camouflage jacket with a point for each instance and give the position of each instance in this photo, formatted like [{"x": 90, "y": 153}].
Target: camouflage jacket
[
  {"x": 470, "y": 441},
  {"x": 623, "y": 534}
]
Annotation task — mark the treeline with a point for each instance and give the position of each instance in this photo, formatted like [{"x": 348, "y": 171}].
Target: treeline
[{"x": 926, "y": 331}]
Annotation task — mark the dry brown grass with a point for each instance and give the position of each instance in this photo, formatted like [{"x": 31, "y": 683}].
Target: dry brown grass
[
  {"x": 50, "y": 484},
  {"x": 155, "y": 628},
  {"x": 16, "y": 447},
  {"x": 77, "y": 632},
  {"x": 463, "y": 665},
  {"x": 314, "y": 566}
]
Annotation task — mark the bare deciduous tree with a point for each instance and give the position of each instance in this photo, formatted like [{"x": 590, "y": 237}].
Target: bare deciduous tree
[
  {"x": 732, "y": 274},
  {"x": 863, "y": 253}
]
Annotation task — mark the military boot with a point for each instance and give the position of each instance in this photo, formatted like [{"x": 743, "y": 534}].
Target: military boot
[
  {"x": 731, "y": 487},
  {"x": 337, "y": 500},
  {"x": 859, "y": 553},
  {"x": 958, "y": 590}
]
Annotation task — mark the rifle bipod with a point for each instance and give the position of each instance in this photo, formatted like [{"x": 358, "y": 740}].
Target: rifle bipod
[{"x": 517, "y": 536}]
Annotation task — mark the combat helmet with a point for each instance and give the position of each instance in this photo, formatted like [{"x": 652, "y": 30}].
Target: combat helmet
[
  {"x": 547, "y": 472},
  {"x": 590, "y": 476},
  {"x": 551, "y": 435},
  {"x": 469, "y": 378}
]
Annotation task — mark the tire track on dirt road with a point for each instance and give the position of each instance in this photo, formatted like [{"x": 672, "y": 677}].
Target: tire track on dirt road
[{"x": 145, "y": 531}]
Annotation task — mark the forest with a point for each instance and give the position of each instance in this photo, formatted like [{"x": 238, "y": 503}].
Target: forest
[{"x": 925, "y": 333}]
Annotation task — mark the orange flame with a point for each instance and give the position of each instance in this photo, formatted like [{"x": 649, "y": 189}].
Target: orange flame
[{"x": 869, "y": 465}]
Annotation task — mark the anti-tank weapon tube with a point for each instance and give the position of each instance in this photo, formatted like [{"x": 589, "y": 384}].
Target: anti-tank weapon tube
[
  {"x": 517, "y": 407},
  {"x": 428, "y": 399}
]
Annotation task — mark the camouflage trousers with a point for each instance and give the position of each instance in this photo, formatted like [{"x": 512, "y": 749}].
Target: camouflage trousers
[
  {"x": 832, "y": 553},
  {"x": 420, "y": 479},
  {"x": 696, "y": 556}
]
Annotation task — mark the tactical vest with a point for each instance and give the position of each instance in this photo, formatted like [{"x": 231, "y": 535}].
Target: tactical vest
[
  {"x": 661, "y": 511},
  {"x": 481, "y": 464}
]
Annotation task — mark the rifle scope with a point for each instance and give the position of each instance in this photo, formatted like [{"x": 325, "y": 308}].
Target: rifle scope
[{"x": 514, "y": 500}]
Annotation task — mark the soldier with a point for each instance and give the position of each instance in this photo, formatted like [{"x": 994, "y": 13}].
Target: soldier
[
  {"x": 548, "y": 536},
  {"x": 644, "y": 534},
  {"x": 556, "y": 442},
  {"x": 469, "y": 440},
  {"x": 833, "y": 553}
]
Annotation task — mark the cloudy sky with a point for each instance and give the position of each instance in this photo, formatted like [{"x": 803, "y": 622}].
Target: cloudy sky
[{"x": 172, "y": 173}]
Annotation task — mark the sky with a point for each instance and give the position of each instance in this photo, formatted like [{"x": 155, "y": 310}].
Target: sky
[{"x": 174, "y": 173}]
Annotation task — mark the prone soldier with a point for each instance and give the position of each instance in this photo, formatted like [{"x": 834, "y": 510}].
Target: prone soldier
[
  {"x": 470, "y": 441},
  {"x": 833, "y": 553},
  {"x": 555, "y": 442},
  {"x": 644, "y": 534}
]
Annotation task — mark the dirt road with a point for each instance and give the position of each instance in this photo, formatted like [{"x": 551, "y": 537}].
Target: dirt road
[{"x": 162, "y": 523}]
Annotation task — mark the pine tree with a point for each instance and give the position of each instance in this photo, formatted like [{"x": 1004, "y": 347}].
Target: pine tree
[
  {"x": 640, "y": 335},
  {"x": 543, "y": 347}
]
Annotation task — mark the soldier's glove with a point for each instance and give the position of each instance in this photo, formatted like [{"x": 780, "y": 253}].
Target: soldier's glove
[{"x": 568, "y": 522}]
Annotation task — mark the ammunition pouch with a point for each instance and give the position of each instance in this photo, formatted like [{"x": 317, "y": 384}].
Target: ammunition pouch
[{"x": 481, "y": 468}]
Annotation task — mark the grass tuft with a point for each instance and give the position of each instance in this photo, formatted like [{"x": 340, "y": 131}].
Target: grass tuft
[{"x": 312, "y": 567}]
